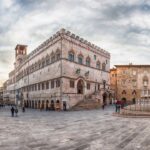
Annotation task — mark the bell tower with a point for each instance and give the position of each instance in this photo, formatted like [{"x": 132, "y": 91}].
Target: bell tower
[{"x": 21, "y": 53}]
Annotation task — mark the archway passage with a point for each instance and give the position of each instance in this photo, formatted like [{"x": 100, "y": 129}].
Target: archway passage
[
  {"x": 47, "y": 105},
  {"x": 80, "y": 87},
  {"x": 104, "y": 98},
  {"x": 52, "y": 105}
]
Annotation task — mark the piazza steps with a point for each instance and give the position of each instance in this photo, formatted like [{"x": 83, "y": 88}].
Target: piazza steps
[{"x": 86, "y": 104}]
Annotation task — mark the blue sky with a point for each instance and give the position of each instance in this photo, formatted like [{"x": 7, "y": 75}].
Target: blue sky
[{"x": 119, "y": 26}]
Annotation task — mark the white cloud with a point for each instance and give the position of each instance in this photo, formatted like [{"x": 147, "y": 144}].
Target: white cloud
[{"x": 120, "y": 26}]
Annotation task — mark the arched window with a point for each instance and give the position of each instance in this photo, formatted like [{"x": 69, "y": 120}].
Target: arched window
[
  {"x": 124, "y": 92},
  {"x": 57, "y": 54},
  {"x": 39, "y": 64},
  {"x": 98, "y": 65},
  {"x": 35, "y": 65},
  {"x": 104, "y": 67},
  {"x": 88, "y": 61},
  {"x": 43, "y": 62},
  {"x": 71, "y": 56},
  {"x": 52, "y": 57},
  {"x": 80, "y": 59},
  {"x": 134, "y": 92},
  {"x": 145, "y": 81},
  {"x": 47, "y": 59}
]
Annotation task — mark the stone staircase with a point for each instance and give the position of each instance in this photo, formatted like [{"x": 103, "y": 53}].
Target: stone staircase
[{"x": 87, "y": 104}]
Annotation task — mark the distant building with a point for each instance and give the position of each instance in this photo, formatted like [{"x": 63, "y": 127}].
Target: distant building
[
  {"x": 1, "y": 95},
  {"x": 130, "y": 82},
  {"x": 63, "y": 69}
]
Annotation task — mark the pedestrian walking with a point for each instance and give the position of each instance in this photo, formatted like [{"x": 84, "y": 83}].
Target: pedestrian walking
[
  {"x": 12, "y": 111},
  {"x": 64, "y": 106},
  {"x": 16, "y": 111},
  {"x": 23, "y": 109}
]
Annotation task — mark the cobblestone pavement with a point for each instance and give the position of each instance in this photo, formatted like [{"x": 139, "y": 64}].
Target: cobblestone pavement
[{"x": 75, "y": 130}]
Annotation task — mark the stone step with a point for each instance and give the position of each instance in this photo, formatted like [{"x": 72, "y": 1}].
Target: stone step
[{"x": 87, "y": 105}]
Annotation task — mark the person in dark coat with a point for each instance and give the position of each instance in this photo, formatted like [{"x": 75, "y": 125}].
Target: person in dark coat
[
  {"x": 12, "y": 111},
  {"x": 64, "y": 106},
  {"x": 103, "y": 106},
  {"x": 23, "y": 109}
]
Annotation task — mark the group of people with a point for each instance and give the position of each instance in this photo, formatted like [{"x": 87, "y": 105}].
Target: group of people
[
  {"x": 118, "y": 105},
  {"x": 14, "y": 110}
]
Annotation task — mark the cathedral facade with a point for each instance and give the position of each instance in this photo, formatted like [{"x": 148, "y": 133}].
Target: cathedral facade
[{"x": 65, "y": 69}]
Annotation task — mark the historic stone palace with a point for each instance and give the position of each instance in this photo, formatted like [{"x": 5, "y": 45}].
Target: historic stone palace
[
  {"x": 65, "y": 69},
  {"x": 130, "y": 82}
]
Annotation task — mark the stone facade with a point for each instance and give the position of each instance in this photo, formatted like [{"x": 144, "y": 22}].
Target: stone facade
[
  {"x": 130, "y": 82},
  {"x": 64, "y": 69},
  {"x": 1, "y": 95}
]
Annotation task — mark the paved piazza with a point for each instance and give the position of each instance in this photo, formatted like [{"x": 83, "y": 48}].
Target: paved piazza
[{"x": 76, "y": 130}]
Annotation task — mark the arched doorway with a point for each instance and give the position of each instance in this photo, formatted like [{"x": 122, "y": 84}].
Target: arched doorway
[
  {"x": 35, "y": 104},
  {"x": 104, "y": 98},
  {"x": 32, "y": 104},
  {"x": 133, "y": 100},
  {"x": 110, "y": 98},
  {"x": 42, "y": 107},
  {"x": 47, "y": 105},
  {"x": 52, "y": 105},
  {"x": 80, "y": 87},
  {"x": 39, "y": 104},
  {"x": 57, "y": 106}
]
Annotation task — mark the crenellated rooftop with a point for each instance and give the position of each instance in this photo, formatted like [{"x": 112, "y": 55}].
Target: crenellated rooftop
[
  {"x": 72, "y": 35},
  {"x": 64, "y": 32}
]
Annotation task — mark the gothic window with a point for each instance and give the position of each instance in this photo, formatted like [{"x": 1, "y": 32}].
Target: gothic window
[
  {"x": 43, "y": 62},
  {"x": 58, "y": 54},
  {"x": 98, "y": 65},
  {"x": 39, "y": 86},
  {"x": 71, "y": 56},
  {"x": 145, "y": 81},
  {"x": 104, "y": 67},
  {"x": 35, "y": 87},
  {"x": 58, "y": 83},
  {"x": 47, "y": 59},
  {"x": 52, "y": 84},
  {"x": 88, "y": 61},
  {"x": 43, "y": 86},
  {"x": 52, "y": 57},
  {"x": 47, "y": 85},
  {"x": 134, "y": 92},
  {"x": 80, "y": 59},
  {"x": 39, "y": 64},
  {"x": 35, "y": 66},
  {"x": 124, "y": 92}
]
